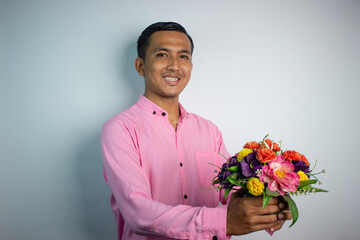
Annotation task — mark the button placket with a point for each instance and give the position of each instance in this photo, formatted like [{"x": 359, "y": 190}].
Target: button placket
[{"x": 185, "y": 190}]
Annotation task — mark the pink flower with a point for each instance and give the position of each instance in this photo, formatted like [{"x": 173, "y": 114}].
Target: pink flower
[{"x": 280, "y": 176}]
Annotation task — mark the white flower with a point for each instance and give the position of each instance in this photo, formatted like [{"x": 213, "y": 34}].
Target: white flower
[{"x": 258, "y": 172}]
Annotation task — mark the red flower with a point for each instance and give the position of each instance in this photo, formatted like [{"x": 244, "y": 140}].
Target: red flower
[
  {"x": 251, "y": 145},
  {"x": 265, "y": 155}
]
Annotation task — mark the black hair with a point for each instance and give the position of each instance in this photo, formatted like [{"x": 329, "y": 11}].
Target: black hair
[{"x": 143, "y": 41}]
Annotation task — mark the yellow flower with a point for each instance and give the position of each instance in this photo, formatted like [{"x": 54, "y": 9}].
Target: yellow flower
[
  {"x": 303, "y": 176},
  {"x": 243, "y": 153},
  {"x": 255, "y": 187}
]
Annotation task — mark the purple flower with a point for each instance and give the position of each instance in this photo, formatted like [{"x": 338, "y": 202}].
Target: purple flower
[
  {"x": 300, "y": 166},
  {"x": 223, "y": 174},
  {"x": 233, "y": 161},
  {"x": 249, "y": 165}
]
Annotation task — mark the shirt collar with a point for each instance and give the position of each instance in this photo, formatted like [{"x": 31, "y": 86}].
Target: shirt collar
[{"x": 150, "y": 107}]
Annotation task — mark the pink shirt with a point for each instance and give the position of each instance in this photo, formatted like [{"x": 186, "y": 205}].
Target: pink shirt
[{"x": 161, "y": 178}]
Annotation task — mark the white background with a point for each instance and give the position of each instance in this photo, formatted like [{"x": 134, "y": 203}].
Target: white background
[{"x": 288, "y": 68}]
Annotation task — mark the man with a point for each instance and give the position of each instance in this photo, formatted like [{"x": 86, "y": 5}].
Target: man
[{"x": 156, "y": 156}]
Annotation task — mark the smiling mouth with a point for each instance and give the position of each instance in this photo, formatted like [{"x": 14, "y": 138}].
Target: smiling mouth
[{"x": 171, "y": 79}]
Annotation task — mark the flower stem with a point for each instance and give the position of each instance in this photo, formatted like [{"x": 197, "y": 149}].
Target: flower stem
[{"x": 223, "y": 156}]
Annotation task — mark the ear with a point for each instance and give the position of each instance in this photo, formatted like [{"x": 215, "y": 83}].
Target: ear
[{"x": 139, "y": 65}]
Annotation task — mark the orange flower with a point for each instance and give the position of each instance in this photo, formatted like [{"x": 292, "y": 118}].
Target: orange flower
[
  {"x": 295, "y": 156},
  {"x": 292, "y": 155},
  {"x": 265, "y": 155},
  {"x": 251, "y": 145},
  {"x": 272, "y": 145}
]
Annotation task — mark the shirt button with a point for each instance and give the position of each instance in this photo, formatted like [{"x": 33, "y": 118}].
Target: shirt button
[
  {"x": 163, "y": 114},
  {"x": 154, "y": 112},
  {"x": 181, "y": 164},
  {"x": 214, "y": 238},
  {"x": 185, "y": 196}
]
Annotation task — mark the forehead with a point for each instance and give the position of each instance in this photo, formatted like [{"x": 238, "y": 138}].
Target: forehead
[{"x": 171, "y": 40}]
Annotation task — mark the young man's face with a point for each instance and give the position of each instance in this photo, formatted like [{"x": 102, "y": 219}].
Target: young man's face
[{"x": 167, "y": 65}]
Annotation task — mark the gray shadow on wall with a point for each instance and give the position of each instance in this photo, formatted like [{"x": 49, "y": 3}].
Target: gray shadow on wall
[
  {"x": 133, "y": 81},
  {"x": 98, "y": 220}
]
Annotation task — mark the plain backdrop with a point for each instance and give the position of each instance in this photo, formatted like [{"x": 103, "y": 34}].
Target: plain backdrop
[{"x": 287, "y": 68}]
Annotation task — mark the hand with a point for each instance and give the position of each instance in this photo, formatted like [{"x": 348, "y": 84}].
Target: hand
[{"x": 246, "y": 215}]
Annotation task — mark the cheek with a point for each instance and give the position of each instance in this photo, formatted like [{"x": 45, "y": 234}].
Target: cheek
[
  {"x": 190, "y": 68},
  {"x": 187, "y": 68},
  {"x": 151, "y": 71}
]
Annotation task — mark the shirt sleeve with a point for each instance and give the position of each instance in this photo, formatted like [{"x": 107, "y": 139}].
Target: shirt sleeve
[{"x": 132, "y": 192}]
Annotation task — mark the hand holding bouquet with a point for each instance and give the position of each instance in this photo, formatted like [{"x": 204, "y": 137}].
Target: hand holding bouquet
[{"x": 264, "y": 169}]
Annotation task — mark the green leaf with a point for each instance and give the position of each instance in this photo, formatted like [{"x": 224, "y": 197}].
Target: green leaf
[
  {"x": 306, "y": 183},
  {"x": 317, "y": 189},
  {"x": 266, "y": 200},
  {"x": 233, "y": 169},
  {"x": 234, "y": 176},
  {"x": 271, "y": 193},
  {"x": 216, "y": 181},
  {"x": 293, "y": 209},
  {"x": 232, "y": 181},
  {"x": 242, "y": 185},
  {"x": 227, "y": 191}
]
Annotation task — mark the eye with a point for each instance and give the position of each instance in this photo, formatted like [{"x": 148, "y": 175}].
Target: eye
[
  {"x": 184, "y": 56},
  {"x": 161, "y": 55}
]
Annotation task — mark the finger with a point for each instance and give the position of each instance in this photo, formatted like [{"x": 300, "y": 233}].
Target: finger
[
  {"x": 254, "y": 201},
  {"x": 270, "y": 209},
  {"x": 281, "y": 216},
  {"x": 282, "y": 205},
  {"x": 273, "y": 201},
  {"x": 287, "y": 214},
  {"x": 270, "y": 226},
  {"x": 258, "y": 201},
  {"x": 265, "y": 219},
  {"x": 278, "y": 226}
]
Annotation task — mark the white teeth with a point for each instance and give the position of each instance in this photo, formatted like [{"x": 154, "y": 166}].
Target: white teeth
[{"x": 171, "y": 79}]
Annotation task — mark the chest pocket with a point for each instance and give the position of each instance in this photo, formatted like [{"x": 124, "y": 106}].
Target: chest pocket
[{"x": 206, "y": 163}]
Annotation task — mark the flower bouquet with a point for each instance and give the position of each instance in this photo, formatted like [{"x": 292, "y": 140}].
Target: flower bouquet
[{"x": 264, "y": 169}]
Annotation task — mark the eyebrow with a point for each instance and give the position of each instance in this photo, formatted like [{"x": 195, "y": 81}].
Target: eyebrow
[{"x": 167, "y": 50}]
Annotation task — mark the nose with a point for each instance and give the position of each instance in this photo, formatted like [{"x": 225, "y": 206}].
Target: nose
[{"x": 173, "y": 64}]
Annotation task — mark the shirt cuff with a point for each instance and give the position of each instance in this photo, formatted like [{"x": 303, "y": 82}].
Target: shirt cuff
[{"x": 215, "y": 223}]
